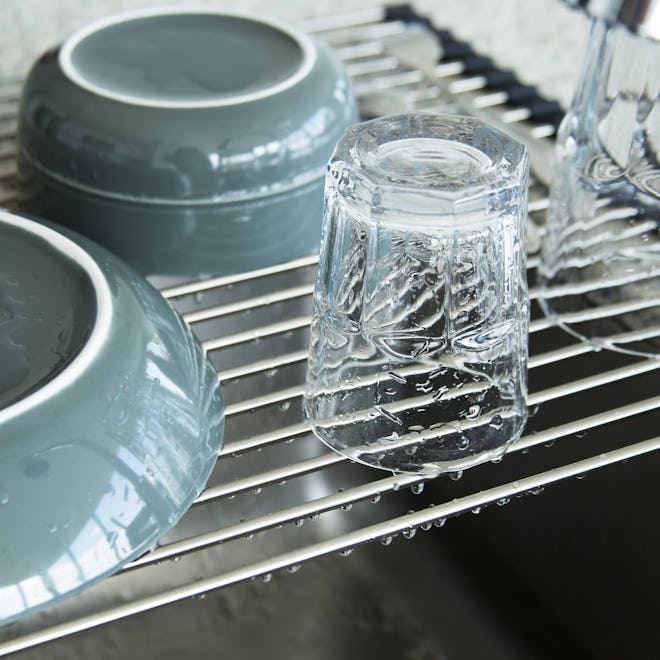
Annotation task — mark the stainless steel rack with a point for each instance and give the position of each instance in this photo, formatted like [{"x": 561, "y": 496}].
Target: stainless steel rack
[{"x": 278, "y": 498}]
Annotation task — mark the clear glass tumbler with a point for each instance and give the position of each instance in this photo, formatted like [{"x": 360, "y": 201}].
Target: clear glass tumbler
[
  {"x": 418, "y": 356},
  {"x": 599, "y": 276}
]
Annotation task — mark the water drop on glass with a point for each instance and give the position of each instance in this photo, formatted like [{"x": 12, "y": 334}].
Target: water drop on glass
[
  {"x": 496, "y": 422},
  {"x": 473, "y": 412},
  {"x": 455, "y": 476}
]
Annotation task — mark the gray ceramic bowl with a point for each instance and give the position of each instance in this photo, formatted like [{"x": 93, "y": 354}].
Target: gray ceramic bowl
[
  {"x": 188, "y": 142},
  {"x": 110, "y": 415}
]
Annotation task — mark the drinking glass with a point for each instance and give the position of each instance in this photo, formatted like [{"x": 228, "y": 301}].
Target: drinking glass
[
  {"x": 418, "y": 348},
  {"x": 599, "y": 276}
]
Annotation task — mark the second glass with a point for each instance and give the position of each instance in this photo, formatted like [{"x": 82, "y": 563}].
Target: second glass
[{"x": 418, "y": 357}]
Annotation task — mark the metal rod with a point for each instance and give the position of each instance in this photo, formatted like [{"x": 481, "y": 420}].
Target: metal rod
[
  {"x": 257, "y": 333},
  {"x": 265, "y": 478},
  {"x": 268, "y": 365},
  {"x": 372, "y": 489},
  {"x": 342, "y": 542},
  {"x": 266, "y": 300},
  {"x": 225, "y": 280}
]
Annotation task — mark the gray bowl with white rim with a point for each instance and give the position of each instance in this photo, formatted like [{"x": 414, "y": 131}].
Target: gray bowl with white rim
[{"x": 188, "y": 142}]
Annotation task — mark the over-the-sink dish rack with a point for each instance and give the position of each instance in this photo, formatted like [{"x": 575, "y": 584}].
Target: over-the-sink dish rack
[{"x": 278, "y": 498}]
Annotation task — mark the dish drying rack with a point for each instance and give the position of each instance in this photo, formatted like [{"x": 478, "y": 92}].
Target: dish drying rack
[{"x": 278, "y": 498}]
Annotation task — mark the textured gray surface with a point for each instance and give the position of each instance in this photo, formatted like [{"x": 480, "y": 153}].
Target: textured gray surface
[{"x": 541, "y": 39}]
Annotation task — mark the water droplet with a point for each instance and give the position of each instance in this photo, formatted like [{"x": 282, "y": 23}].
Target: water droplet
[
  {"x": 581, "y": 476},
  {"x": 199, "y": 297},
  {"x": 396, "y": 377},
  {"x": 582, "y": 434},
  {"x": 51, "y": 527},
  {"x": 424, "y": 387},
  {"x": 409, "y": 533},
  {"x": 473, "y": 412},
  {"x": 463, "y": 443},
  {"x": 346, "y": 552},
  {"x": 285, "y": 405},
  {"x": 266, "y": 577},
  {"x": 256, "y": 491},
  {"x": 455, "y": 476},
  {"x": 515, "y": 485},
  {"x": 176, "y": 559},
  {"x": 549, "y": 443},
  {"x": 426, "y": 526},
  {"x": 249, "y": 537},
  {"x": 4, "y": 497},
  {"x": 396, "y": 485},
  {"x": 496, "y": 422},
  {"x": 294, "y": 568},
  {"x": 503, "y": 501},
  {"x": 35, "y": 467},
  {"x": 386, "y": 540},
  {"x": 533, "y": 410},
  {"x": 271, "y": 372},
  {"x": 299, "y": 523},
  {"x": 440, "y": 392},
  {"x": 440, "y": 522},
  {"x": 476, "y": 510},
  {"x": 417, "y": 489},
  {"x": 375, "y": 498}
]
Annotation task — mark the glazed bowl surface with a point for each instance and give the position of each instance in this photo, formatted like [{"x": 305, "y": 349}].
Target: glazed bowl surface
[
  {"x": 189, "y": 142},
  {"x": 111, "y": 417}
]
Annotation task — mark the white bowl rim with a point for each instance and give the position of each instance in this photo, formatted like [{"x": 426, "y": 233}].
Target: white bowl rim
[
  {"x": 102, "y": 320},
  {"x": 70, "y": 71}
]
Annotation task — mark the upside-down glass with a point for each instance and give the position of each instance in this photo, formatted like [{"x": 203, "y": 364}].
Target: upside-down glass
[{"x": 418, "y": 357}]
